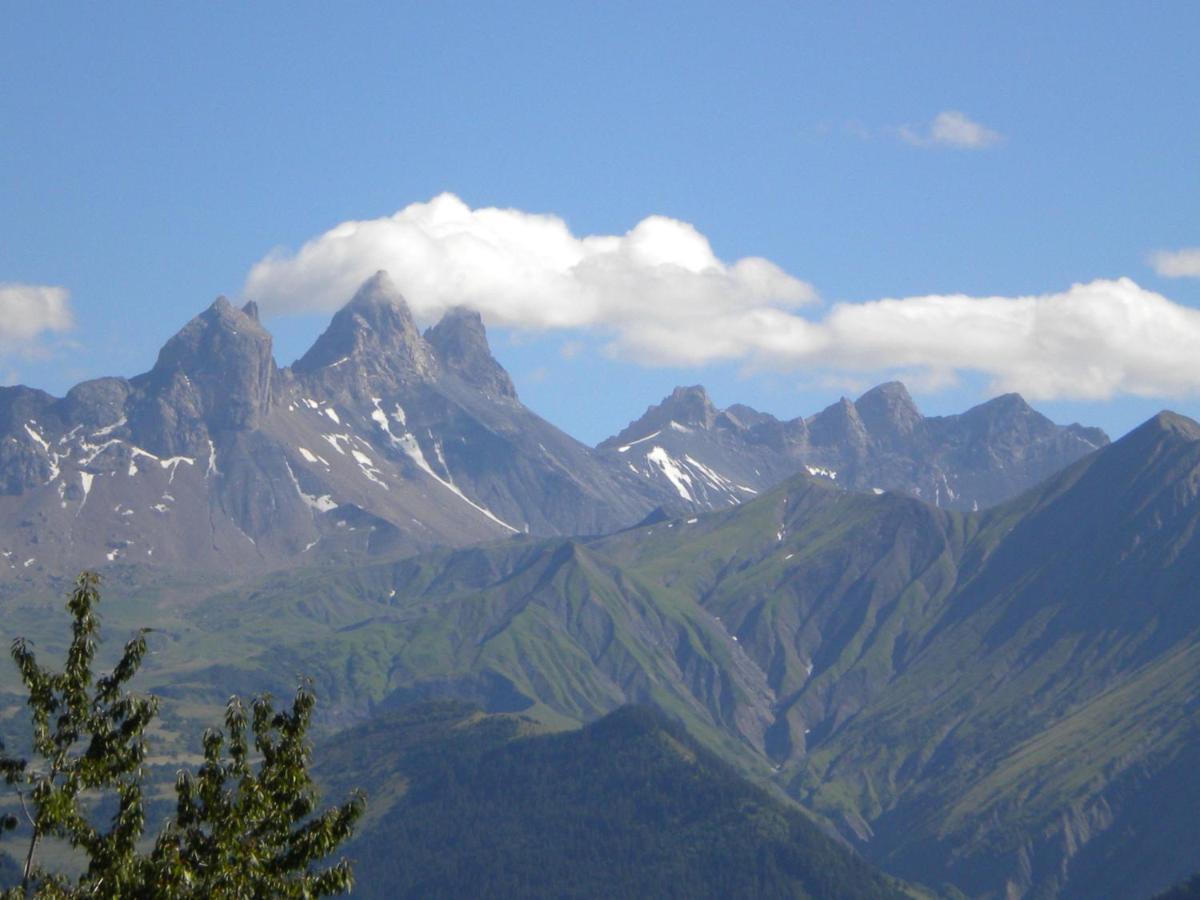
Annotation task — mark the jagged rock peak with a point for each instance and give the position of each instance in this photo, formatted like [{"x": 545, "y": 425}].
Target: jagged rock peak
[
  {"x": 218, "y": 369},
  {"x": 689, "y": 407},
  {"x": 374, "y": 329},
  {"x": 461, "y": 344},
  {"x": 251, "y": 309},
  {"x": 888, "y": 410},
  {"x": 1005, "y": 404},
  {"x": 838, "y": 424}
]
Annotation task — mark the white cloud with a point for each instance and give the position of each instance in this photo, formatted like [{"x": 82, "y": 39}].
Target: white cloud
[
  {"x": 1090, "y": 342},
  {"x": 29, "y": 310},
  {"x": 951, "y": 128},
  {"x": 1183, "y": 263},
  {"x": 529, "y": 271},
  {"x": 660, "y": 296}
]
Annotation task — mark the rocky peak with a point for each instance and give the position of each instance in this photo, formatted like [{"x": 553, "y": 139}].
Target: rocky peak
[
  {"x": 888, "y": 411},
  {"x": 375, "y": 331},
  {"x": 1004, "y": 414},
  {"x": 690, "y": 406},
  {"x": 686, "y": 406},
  {"x": 218, "y": 368},
  {"x": 838, "y": 425},
  {"x": 461, "y": 344}
]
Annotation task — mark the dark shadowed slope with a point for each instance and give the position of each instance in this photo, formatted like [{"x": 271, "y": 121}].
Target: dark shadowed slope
[
  {"x": 476, "y": 806},
  {"x": 1005, "y": 701}
]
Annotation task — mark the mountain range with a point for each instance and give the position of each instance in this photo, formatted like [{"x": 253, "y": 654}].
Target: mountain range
[
  {"x": 382, "y": 440},
  {"x": 1002, "y": 703},
  {"x": 966, "y": 644}
]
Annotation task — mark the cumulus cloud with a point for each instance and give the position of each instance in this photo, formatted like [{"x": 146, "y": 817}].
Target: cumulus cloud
[
  {"x": 659, "y": 296},
  {"x": 1183, "y": 263},
  {"x": 1092, "y": 341},
  {"x": 951, "y": 128},
  {"x": 28, "y": 311},
  {"x": 525, "y": 270}
]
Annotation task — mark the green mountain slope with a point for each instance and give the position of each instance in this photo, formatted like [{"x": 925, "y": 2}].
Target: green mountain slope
[
  {"x": 630, "y": 806},
  {"x": 1006, "y": 701}
]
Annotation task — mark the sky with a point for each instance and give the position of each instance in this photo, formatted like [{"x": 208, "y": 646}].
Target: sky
[{"x": 785, "y": 202}]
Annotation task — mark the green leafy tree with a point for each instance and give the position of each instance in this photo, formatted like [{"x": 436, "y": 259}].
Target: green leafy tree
[
  {"x": 244, "y": 827},
  {"x": 87, "y": 738},
  {"x": 242, "y": 831}
]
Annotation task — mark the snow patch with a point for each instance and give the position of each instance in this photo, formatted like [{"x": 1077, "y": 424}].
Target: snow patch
[
  {"x": 367, "y": 466},
  {"x": 677, "y": 476},
  {"x": 332, "y": 413},
  {"x": 639, "y": 441},
  {"x": 335, "y": 441},
  {"x": 85, "y": 480},
  {"x": 37, "y": 437},
  {"x": 323, "y": 503},
  {"x": 109, "y": 429},
  {"x": 825, "y": 473},
  {"x": 173, "y": 464}
]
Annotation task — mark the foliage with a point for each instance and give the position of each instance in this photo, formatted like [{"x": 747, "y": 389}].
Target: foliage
[
  {"x": 630, "y": 805},
  {"x": 238, "y": 831},
  {"x": 86, "y": 739}
]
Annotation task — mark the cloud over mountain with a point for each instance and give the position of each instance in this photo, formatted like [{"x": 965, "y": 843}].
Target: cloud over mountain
[
  {"x": 661, "y": 296},
  {"x": 29, "y": 310},
  {"x": 527, "y": 270}
]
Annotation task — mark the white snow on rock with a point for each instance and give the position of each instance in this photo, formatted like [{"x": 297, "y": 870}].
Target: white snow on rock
[
  {"x": 85, "y": 481},
  {"x": 109, "y": 429},
  {"x": 677, "y": 476},
  {"x": 638, "y": 441},
  {"x": 323, "y": 503},
  {"x": 173, "y": 463}
]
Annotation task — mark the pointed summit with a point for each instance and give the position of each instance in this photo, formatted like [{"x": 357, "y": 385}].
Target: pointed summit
[
  {"x": 838, "y": 425},
  {"x": 888, "y": 411},
  {"x": 461, "y": 344},
  {"x": 376, "y": 331},
  {"x": 689, "y": 407},
  {"x": 218, "y": 368},
  {"x": 1168, "y": 422}
]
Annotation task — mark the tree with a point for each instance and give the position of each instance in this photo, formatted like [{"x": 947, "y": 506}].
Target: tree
[{"x": 242, "y": 828}]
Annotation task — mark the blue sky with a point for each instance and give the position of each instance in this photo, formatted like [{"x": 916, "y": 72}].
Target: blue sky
[{"x": 152, "y": 155}]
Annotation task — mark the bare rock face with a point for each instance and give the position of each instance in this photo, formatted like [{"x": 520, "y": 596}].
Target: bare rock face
[
  {"x": 215, "y": 375},
  {"x": 374, "y": 337},
  {"x": 461, "y": 345},
  {"x": 384, "y": 439},
  {"x": 377, "y": 440},
  {"x": 697, "y": 457}
]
